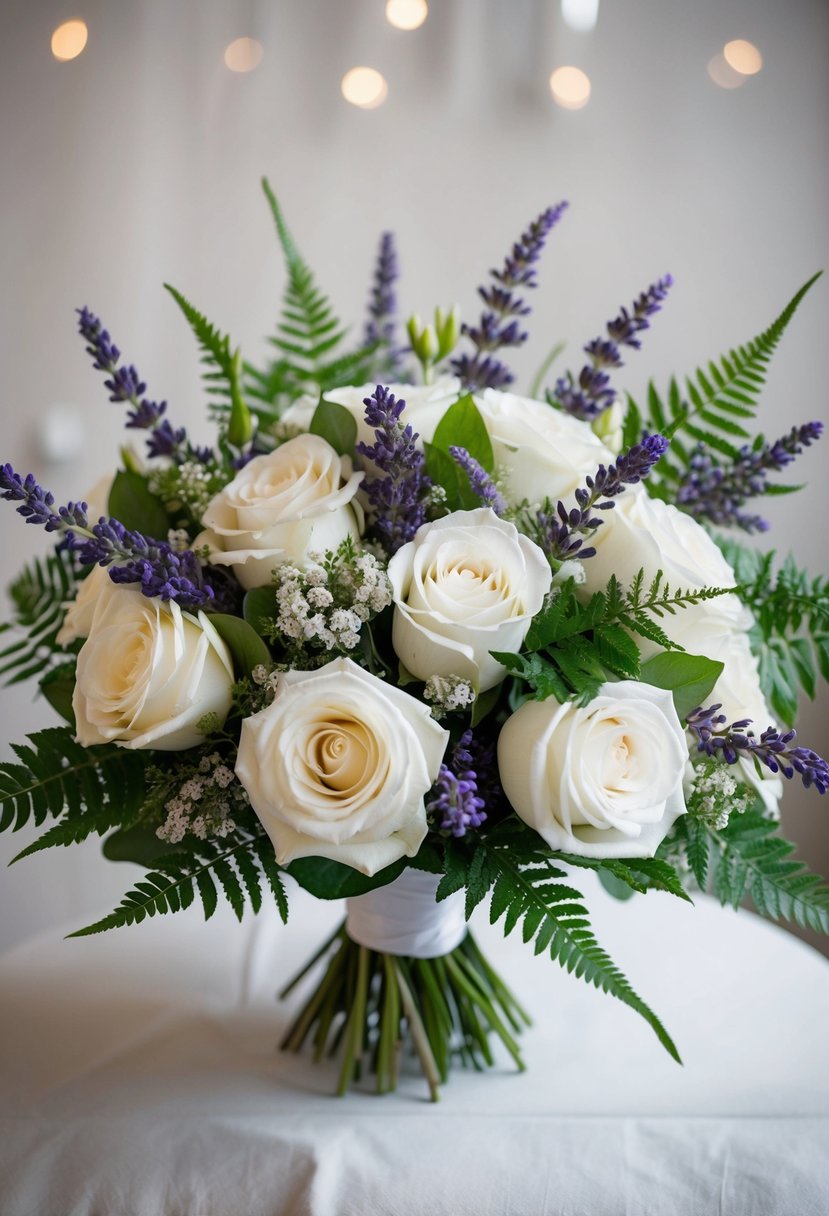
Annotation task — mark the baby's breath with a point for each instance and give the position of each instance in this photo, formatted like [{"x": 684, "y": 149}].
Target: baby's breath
[{"x": 716, "y": 794}]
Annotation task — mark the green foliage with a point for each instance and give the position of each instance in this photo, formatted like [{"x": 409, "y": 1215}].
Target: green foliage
[
  {"x": 223, "y": 376},
  {"x": 133, "y": 504},
  {"x": 690, "y": 677},
  {"x": 747, "y": 858},
  {"x": 637, "y": 874},
  {"x": 572, "y": 647},
  {"x": 243, "y": 641},
  {"x": 92, "y": 788},
  {"x": 39, "y": 596},
  {"x": 328, "y": 879},
  {"x": 525, "y": 888},
  {"x": 716, "y": 404},
  {"x": 461, "y": 426},
  {"x": 234, "y": 866},
  {"x": 336, "y": 425},
  {"x": 791, "y": 632},
  {"x": 308, "y": 333}
]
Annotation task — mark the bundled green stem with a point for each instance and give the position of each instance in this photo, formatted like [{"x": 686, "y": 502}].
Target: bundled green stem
[{"x": 368, "y": 1004}]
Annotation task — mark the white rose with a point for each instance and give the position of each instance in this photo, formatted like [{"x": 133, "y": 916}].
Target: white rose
[
  {"x": 467, "y": 584},
  {"x": 739, "y": 692},
  {"x": 92, "y": 597},
  {"x": 602, "y": 780},
  {"x": 338, "y": 765},
  {"x": 425, "y": 406},
  {"x": 281, "y": 507},
  {"x": 147, "y": 673},
  {"x": 645, "y": 533},
  {"x": 539, "y": 451}
]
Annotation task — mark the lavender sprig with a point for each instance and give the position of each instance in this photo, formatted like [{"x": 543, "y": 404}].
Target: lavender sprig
[
  {"x": 382, "y": 308},
  {"x": 455, "y": 795},
  {"x": 561, "y": 533},
  {"x": 160, "y": 570},
  {"x": 480, "y": 482},
  {"x": 398, "y": 495},
  {"x": 125, "y": 385},
  {"x": 732, "y": 742},
  {"x": 591, "y": 394},
  {"x": 498, "y": 326},
  {"x": 716, "y": 492}
]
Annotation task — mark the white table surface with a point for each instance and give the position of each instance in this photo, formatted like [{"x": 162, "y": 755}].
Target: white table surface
[{"x": 140, "y": 1078}]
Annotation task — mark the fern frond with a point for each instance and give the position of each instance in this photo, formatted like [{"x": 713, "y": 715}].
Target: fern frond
[
  {"x": 55, "y": 774},
  {"x": 39, "y": 597},
  {"x": 552, "y": 916},
  {"x": 308, "y": 331},
  {"x": 232, "y": 866},
  {"x": 749, "y": 859},
  {"x": 223, "y": 374},
  {"x": 716, "y": 403}
]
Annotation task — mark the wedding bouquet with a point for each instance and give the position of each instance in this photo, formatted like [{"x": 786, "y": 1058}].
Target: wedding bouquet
[{"x": 420, "y": 644}]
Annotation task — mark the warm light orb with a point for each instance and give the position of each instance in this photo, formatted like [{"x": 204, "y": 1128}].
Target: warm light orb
[
  {"x": 570, "y": 87},
  {"x": 580, "y": 15},
  {"x": 743, "y": 57},
  {"x": 69, "y": 39},
  {"x": 406, "y": 14},
  {"x": 723, "y": 74},
  {"x": 364, "y": 87},
  {"x": 243, "y": 54}
]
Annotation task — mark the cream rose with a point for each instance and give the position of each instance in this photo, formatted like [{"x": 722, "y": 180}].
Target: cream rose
[
  {"x": 602, "y": 780},
  {"x": 539, "y": 451},
  {"x": 338, "y": 765},
  {"x": 280, "y": 507},
  {"x": 147, "y": 673},
  {"x": 425, "y": 406},
  {"x": 92, "y": 597},
  {"x": 644, "y": 533},
  {"x": 467, "y": 584}
]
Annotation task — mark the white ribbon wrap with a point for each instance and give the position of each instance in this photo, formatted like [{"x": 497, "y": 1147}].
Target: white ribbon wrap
[{"x": 403, "y": 917}]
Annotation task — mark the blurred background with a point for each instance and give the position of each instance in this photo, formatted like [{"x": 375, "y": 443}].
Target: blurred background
[{"x": 691, "y": 140}]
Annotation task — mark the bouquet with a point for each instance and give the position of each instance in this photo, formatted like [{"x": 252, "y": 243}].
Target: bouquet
[{"x": 423, "y": 643}]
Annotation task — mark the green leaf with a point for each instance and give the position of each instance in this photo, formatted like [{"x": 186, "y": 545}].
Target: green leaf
[
  {"x": 137, "y": 843},
  {"x": 259, "y": 608},
  {"x": 615, "y": 886},
  {"x": 445, "y": 472},
  {"x": 336, "y": 425},
  {"x": 462, "y": 426},
  {"x": 58, "y": 686},
  {"x": 224, "y": 375},
  {"x": 244, "y": 642},
  {"x": 332, "y": 880},
  {"x": 689, "y": 677},
  {"x": 132, "y": 504}
]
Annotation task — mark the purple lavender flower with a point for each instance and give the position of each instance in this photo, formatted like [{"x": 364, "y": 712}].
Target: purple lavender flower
[
  {"x": 559, "y": 530},
  {"x": 160, "y": 570},
  {"x": 498, "y": 326},
  {"x": 591, "y": 394},
  {"x": 382, "y": 308},
  {"x": 716, "y": 492},
  {"x": 456, "y": 798},
  {"x": 729, "y": 743},
  {"x": 480, "y": 482},
  {"x": 125, "y": 385},
  {"x": 397, "y": 495}
]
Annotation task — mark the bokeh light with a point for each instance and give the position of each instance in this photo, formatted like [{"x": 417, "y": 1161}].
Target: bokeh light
[
  {"x": 69, "y": 39},
  {"x": 570, "y": 87},
  {"x": 723, "y": 74},
  {"x": 406, "y": 14},
  {"x": 243, "y": 54},
  {"x": 743, "y": 57},
  {"x": 364, "y": 87}
]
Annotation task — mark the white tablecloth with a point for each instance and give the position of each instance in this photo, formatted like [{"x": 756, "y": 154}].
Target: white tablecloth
[{"x": 140, "y": 1078}]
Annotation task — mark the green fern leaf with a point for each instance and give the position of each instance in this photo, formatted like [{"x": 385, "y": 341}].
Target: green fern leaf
[
  {"x": 751, "y": 860},
  {"x": 56, "y": 773},
  {"x": 727, "y": 389},
  {"x": 224, "y": 375},
  {"x": 39, "y": 597},
  {"x": 553, "y": 913}
]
